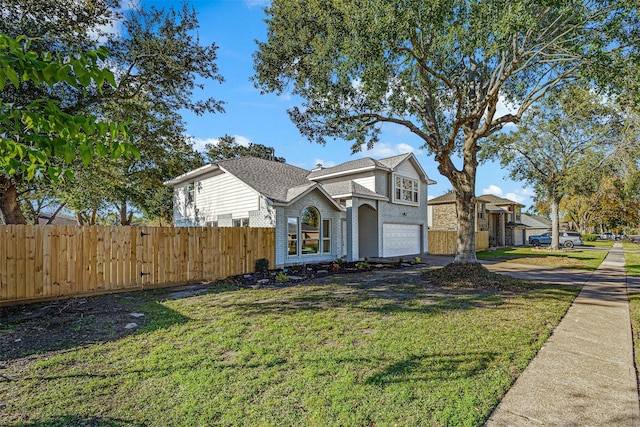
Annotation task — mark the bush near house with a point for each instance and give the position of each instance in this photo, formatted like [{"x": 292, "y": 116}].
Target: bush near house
[{"x": 588, "y": 237}]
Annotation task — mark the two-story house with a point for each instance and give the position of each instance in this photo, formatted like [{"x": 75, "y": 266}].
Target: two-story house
[
  {"x": 359, "y": 209},
  {"x": 501, "y": 217}
]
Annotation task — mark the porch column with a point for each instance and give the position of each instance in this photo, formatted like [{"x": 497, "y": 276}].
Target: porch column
[
  {"x": 502, "y": 230},
  {"x": 352, "y": 230}
]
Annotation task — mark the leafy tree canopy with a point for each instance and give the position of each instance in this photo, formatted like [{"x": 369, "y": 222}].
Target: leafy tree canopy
[
  {"x": 228, "y": 148},
  {"x": 438, "y": 68}
]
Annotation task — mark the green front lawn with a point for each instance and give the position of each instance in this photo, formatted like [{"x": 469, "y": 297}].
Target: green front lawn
[
  {"x": 576, "y": 258},
  {"x": 605, "y": 244},
  {"x": 383, "y": 354},
  {"x": 632, "y": 262}
]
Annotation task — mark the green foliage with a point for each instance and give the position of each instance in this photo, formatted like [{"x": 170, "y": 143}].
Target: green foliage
[
  {"x": 436, "y": 68},
  {"x": 587, "y": 237},
  {"x": 227, "y": 148},
  {"x": 282, "y": 277},
  {"x": 36, "y": 133},
  {"x": 363, "y": 265}
]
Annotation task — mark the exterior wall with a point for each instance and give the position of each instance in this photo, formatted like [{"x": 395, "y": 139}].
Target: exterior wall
[
  {"x": 404, "y": 214},
  {"x": 265, "y": 216},
  {"x": 366, "y": 179},
  {"x": 327, "y": 211},
  {"x": 216, "y": 196},
  {"x": 368, "y": 243},
  {"x": 444, "y": 217}
]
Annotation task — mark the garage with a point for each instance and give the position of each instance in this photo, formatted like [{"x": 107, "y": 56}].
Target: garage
[
  {"x": 401, "y": 239},
  {"x": 518, "y": 237}
]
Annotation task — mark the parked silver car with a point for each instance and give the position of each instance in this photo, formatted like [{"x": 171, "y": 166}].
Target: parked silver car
[{"x": 568, "y": 239}]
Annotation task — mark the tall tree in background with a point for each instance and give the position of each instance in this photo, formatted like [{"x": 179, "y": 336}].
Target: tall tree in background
[
  {"x": 158, "y": 63},
  {"x": 228, "y": 148},
  {"x": 38, "y": 138},
  {"x": 550, "y": 148},
  {"x": 437, "y": 68}
]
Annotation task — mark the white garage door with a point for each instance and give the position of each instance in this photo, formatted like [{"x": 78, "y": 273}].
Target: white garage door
[
  {"x": 518, "y": 237},
  {"x": 400, "y": 239}
]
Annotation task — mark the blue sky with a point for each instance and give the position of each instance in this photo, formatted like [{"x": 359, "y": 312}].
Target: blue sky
[{"x": 234, "y": 25}]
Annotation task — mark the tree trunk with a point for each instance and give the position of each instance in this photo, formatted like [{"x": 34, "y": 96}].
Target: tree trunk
[
  {"x": 9, "y": 204},
  {"x": 555, "y": 220},
  {"x": 464, "y": 186},
  {"x": 466, "y": 241}
]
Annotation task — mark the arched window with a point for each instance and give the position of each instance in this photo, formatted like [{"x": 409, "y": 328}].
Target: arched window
[{"x": 310, "y": 231}]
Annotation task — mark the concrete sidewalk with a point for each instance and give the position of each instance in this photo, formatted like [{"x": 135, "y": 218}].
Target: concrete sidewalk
[{"x": 584, "y": 375}]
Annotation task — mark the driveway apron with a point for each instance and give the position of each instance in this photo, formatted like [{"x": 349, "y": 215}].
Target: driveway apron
[{"x": 584, "y": 375}]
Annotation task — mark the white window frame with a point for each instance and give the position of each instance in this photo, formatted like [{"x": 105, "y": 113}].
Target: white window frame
[
  {"x": 240, "y": 222},
  {"x": 326, "y": 238},
  {"x": 297, "y": 236},
  {"x": 398, "y": 190}
]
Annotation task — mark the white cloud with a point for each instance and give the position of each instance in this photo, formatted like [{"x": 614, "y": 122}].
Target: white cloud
[
  {"x": 520, "y": 195},
  {"x": 383, "y": 149},
  {"x": 504, "y": 107},
  {"x": 493, "y": 189},
  {"x": 199, "y": 143}
]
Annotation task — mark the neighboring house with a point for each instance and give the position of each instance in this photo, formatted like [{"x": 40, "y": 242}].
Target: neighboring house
[
  {"x": 358, "y": 209},
  {"x": 536, "y": 224},
  {"x": 501, "y": 217},
  {"x": 59, "y": 219}
]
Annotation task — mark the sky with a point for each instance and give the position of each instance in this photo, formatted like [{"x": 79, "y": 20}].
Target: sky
[{"x": 234, "y": 26}]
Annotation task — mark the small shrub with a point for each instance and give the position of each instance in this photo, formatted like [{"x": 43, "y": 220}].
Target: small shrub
[
  {"x": 417, "y": 260},
  {"x": 589, "y": 237},
  {"x": 363, "y": 265},
  {"x": 282, "y": 277},
  {"x": 262, "y": 265}
]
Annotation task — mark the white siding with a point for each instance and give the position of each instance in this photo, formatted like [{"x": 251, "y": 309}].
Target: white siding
[
  {"x": 368, "y": 182},
  {"x": 406, "y": 169},
  {"x": 219, "y": 195}
]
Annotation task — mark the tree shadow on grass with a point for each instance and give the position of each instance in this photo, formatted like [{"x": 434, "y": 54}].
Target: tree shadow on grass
[
  {"x": 67, "y": 324},
  {"x": 442, "y": 366},
  {"x": 78, "y": 421},
  {"x": 416, "y": 298}
]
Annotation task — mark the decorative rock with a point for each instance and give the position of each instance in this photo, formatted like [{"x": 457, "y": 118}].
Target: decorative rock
[
  {"x": 262, "y": 281},
  {"x": 131, "y": 325},
  {"x": 322, "y": 272},
  {"x": 136, "y": 315},
  {"x": 18, "y": 340},
  {"x": 246, "y": 276},
  {"x": 404, "y": 264},
  {"x": 295, "y": 278},
  {"x": 378, "y": 266}
]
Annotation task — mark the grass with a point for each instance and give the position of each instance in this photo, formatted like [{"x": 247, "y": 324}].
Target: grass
[
  {"x": 604, "y": 244},
  {"x": 627, "y": 245},
  {"x": 406, "y": 353},
  {"x": 579, "y": 259},
  {"x": 632, "y": 264}
]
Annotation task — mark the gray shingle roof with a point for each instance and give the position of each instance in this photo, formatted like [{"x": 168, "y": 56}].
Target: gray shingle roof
[
  {"x": 499, "y": 200},
  {"x": 392, "y": 162},
  {"x": 347, "y": 166},
  {"x": 350, "y": 188},
  {"x": 451, "y": 198},
  {"x": 275, "y": 180}
]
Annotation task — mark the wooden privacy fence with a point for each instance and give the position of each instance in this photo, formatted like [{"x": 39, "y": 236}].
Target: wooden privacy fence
[
  {"x": 443, "y": 242},
  {"x": 55, "y": 261}
]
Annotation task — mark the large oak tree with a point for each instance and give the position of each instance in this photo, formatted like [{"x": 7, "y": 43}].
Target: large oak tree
[{"x": 438, "y": 68}]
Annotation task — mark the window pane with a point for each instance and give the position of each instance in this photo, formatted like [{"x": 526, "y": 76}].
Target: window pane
[
  {"x": 326, "y": 246},
  {"x": 326, "y": 228},
  {"x": 310, "y": 246},
  {"x": 292, "y": 236},
  {"x": 310, "y": 229}
]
